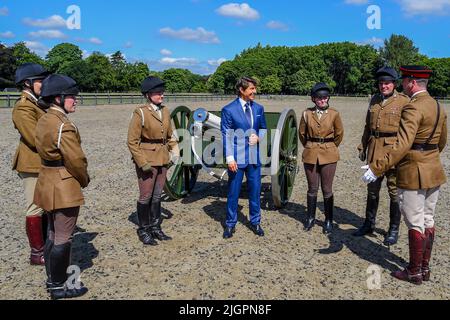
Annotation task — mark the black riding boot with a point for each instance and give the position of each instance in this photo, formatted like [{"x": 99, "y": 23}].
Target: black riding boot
[
  {"x": 394, "y": 225},
  {"x": 155, "y": 221},
  {"x": 311, "y": 215},
  {"x": 329, "y": 208},
  {"x": 47, "y": 250},
  {"x": 59, "y": 262},
  {"x": 143, "y": 219},
  {"x": 371, "y": 213}
]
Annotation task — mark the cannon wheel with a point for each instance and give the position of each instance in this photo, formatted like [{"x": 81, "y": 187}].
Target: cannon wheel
[
  {"x": 181, "y": 178},
  {"x": 284, "y": 158}
]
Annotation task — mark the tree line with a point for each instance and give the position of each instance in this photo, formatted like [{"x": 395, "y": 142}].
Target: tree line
[{"x": 347, "y": 67}]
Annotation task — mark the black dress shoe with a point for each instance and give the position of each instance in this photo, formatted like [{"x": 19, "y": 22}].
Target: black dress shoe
[
  {"x": 258, "y": 230},
  {"x": 228, "y": 233}
]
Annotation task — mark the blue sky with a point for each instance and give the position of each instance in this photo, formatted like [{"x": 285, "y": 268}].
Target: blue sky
[{"x": 199, "y": 34}]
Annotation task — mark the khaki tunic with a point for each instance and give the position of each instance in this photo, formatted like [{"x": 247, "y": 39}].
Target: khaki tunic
[
  {"x": 416, "y": 169},
  {"x": 57, "y": 138},
  {"x": 25, "y": 116},
  {"x": 382, "y": 116},
  {"x": 146, "y": 124},
  {"x": 329, "y": 126}
]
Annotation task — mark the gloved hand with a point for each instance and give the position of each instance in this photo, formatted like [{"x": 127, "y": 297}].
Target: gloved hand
[
  {"x": 362, "y": 155},
  {"x": 369, "y": 176},
  {"x": 147, "y": 168}
]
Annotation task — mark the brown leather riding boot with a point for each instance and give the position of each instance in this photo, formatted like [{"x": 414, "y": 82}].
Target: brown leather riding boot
[
  {"x": 413, "y": 272},
  {"x": 36, "y": 239},
  {"x": 429, "y": 236}
]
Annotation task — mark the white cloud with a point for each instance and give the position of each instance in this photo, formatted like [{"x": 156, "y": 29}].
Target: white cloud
[
  {"x": 240, "y": 11},
  {"x": 48, "y": 34},
  {"x": 199, "y": 35},
  {"x": 194, "y": 65},
  {"x": 54, "y": 21},
  {"x": 277, "y": 25},
  {"x": 374, "y": 41},
  {"x": 7, "y": 35},
  {"x": 4, "y": 11},
  {"x": 129, "y": 44},
  {"x": 420, "y": 7},
  {"x": 86, "y": 54},
  {"x": 37, "y": 47},
  {"x": 90, "y": 40},
  {"x": 166, "y": 52},
  {"x": 178, "y": 62},
  {"x": 95, "y": 41},
  {"x": 216, "y": 63},
  {"x": 357, "y": 2}
]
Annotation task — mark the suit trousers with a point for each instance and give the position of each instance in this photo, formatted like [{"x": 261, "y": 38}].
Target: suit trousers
[{"x": 253, "y": 174}]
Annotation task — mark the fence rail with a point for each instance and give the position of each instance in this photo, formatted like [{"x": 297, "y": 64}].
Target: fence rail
[{"x": 7, "y": 100}]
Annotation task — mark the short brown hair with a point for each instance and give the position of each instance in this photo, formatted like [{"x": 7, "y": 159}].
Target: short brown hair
[{"x": 244, "y": 83}]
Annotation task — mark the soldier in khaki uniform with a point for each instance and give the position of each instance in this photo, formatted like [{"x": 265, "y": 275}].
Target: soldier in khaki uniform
[
  {"x": 151, "y": 142},
  {"x": 321, "y": 132},
  {"x": 382, "y": 122},
  {"x": 27, "y": 162},
  {"x": 63, "y": 174},
  {"x": 421, "y": 138}
]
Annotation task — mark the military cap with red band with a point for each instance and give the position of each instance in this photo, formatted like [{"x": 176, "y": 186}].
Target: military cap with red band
[{"x": 416, "y": 72}]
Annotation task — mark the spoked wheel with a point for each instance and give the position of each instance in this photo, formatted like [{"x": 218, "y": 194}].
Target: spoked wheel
[
  {"x": 284, "y": 158},
  {"x": 181, "y": 178}
]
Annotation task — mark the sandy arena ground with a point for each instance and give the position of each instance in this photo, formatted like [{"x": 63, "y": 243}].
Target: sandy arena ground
[{"x": 198, "y": 264}]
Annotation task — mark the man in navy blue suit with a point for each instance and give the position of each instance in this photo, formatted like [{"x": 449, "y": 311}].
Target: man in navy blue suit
[{"x": 243, "y": 125}]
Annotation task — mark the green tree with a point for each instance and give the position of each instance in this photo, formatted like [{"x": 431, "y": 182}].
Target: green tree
[
  {"x": 24, "y": 55},
  {"x": 81, "y": 73},
  {"x": 64, "y": 53},
  {"x": 7, "y": 67},
  {"x": 399, "y": 50},
  {"x": 271, "y": 85},
  {"x": 135, "y": 74},
  {"x": 101, "y": 77},
  {"x": 179, "y": 80},
  {"x": 439, "y": 84}
]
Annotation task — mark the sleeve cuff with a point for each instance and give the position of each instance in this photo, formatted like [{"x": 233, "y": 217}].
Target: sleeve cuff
[{"x": 230, "y": 159}]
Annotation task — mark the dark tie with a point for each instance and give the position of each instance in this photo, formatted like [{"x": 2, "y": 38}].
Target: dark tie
[{"x": 248, "y": 113}]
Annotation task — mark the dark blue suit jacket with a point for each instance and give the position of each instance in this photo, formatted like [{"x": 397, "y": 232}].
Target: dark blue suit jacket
[{"x": 236, "y": 131}]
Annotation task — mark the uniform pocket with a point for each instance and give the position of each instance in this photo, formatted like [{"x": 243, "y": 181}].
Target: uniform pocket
[
  {"x": 390, "y": 140},
  {"x": 394, "y": 118},
  {"x": 64, "y": 174}
]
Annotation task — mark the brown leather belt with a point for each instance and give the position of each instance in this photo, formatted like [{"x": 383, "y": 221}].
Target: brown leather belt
[
  {"x": 379, "y": 134},
  {"x": 321, "y": 140},
  {"x": 53, "y": 164},
  {"x": 424, "y": 147},
  {"x": 155, "y": 141}
]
